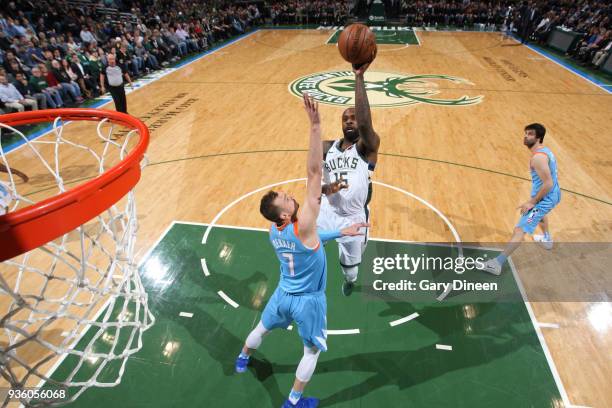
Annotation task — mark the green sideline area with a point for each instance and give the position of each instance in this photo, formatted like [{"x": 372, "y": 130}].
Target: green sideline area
[{"x": 496, "y": 358}]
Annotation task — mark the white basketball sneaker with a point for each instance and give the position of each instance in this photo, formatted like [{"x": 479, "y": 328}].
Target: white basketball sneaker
[
  {"x": 493, "y": 267},
  {"x": 545, "y": 243}
]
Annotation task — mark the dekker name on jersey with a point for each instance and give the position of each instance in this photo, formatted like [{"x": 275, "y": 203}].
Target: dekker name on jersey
[{"x": 278, "y": 243}]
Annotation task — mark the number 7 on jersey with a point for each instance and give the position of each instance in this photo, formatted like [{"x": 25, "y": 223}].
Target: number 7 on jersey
[{"x": 290, "y": 258}]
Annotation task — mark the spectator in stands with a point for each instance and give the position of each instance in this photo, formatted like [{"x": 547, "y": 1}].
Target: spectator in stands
[
  {"x": 86, "y": 35},
  {"x": 183, "y": 35},
  {"x": 160, "y": 44},
  {"x": 14, "y": 69},
  {"x": 32, "y": 54},
  {"x": 170, "y": 37},
  {"x": 57, "y": 76},
  {"x": 5, "y": 42},
  {"x": 544, "y": 27},
  {"x": 10, "y": 59},
  {"x": 38, "y": 83},
  {"x": 25, "y": 89},
  {"x": 150, "y": 61},
  {"x": 76, "y": 76},
  {"x": 125, "y": 60},
  {"x": 71, "y": 45},
  {"x": 11, "y": 97},
  {"x": 601, "y": 55},
  {"x": 587, "y": 52},
  {"x": 53, "y": 45}
]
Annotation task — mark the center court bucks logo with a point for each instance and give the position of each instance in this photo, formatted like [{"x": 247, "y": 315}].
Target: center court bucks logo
[{"x": 385, "y": 89}]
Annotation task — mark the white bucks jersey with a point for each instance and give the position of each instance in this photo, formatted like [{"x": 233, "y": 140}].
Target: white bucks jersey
[{"x": 354, "y": 168}]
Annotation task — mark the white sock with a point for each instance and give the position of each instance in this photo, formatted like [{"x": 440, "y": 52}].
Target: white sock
[
  {"x": 350, "y": 273},
  {"x": 295, "y": 396}
]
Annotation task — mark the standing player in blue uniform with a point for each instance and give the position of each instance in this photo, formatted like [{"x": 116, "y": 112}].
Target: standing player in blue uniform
[
  {"x": 545, "y": 195},
  {"x": 300, "y": 295}
]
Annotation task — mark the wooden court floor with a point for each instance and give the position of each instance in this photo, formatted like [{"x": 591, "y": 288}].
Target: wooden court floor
[{"x": 228, "y": 124}]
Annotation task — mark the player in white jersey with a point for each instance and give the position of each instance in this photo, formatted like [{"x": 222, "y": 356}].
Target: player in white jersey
[{"x": 347, "y": 164}]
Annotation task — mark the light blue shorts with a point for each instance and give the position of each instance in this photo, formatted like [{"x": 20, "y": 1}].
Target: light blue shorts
[
  {"x": 529, "y": 221},
  {"x": 308, "y": 310}
]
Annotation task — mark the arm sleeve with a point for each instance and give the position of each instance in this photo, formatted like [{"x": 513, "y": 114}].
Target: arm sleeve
[{"x": 328, "y": 235}]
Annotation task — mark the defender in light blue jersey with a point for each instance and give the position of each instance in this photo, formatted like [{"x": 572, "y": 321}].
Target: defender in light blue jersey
[
  {"x": 545, "y": 195},
  {"x": 300, "y": 295}
]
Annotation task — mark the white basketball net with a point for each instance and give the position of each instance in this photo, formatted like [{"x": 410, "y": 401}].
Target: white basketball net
[{"x": 78, "y": 300}]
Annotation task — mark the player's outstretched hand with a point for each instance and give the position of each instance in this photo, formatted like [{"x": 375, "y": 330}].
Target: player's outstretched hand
[
  {"x": 337, "y": 185},
  {"x": 354, "y": 229},
  {"x": 361, "y": 69},
  {"x": 526, "y": 207},
  {"x": 312, "y": 109}
]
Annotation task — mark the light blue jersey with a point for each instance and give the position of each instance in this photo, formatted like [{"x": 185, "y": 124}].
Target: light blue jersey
[
  {"x": 554, "y": 195},
  {"x": 300, "y": 295},
  {"x": 303, "y": 270},
  {"x": 530, "y": 220}
]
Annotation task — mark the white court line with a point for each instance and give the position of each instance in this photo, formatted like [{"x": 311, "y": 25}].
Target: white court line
[
  {"x": 204, "y": 267},
  {"x": 444, "y": 347},
  {"x": 330, "y": 37},
  {"x": 549, "y": 359},
  {"x": 236, "y": 201},
  {"x": 417, "y": 37},
  {"x": 204, "y": 224},
  {"x": 562, "y": 66},
  {"x": 341, "y": 332},
  {"x": 409, "y": 194},
  {"x": 400, "y": 241},
  {"x": 440, "y": 298},
  {"x": 548, "y": 325},
  {"x": 534, "y": 322},
  {"x": 427, "y": 204},
  {"x": 512, "y": 267},
  {"x": 227, "y": 299},
  {"x": 448, "y": 290},
  {"x": 403, "y": 319},
  {"x": 186, "y": 314}
]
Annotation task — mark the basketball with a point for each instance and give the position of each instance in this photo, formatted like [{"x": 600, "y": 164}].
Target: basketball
[{"x": 357, "y": 44}]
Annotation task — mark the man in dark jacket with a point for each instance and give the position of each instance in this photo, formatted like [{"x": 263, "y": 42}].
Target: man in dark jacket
[
  {"x": 527, "y": 15},
  {"x": 24, "y": 88}
]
